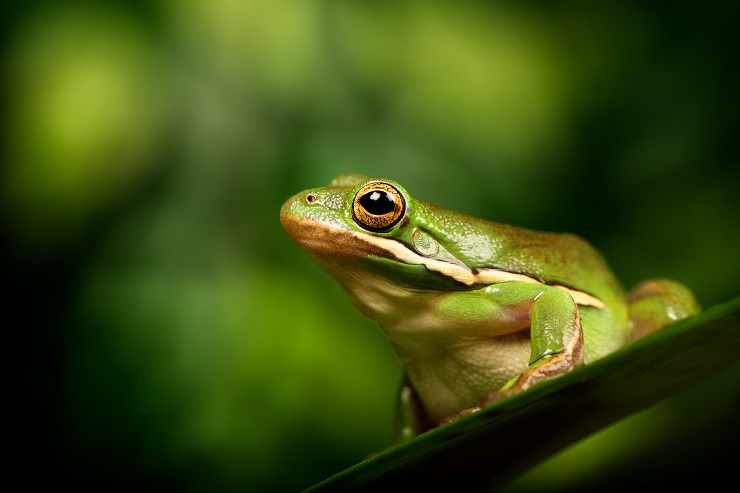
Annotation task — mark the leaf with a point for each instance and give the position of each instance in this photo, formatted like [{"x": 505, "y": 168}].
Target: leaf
[{"x": 504, "y": 440}]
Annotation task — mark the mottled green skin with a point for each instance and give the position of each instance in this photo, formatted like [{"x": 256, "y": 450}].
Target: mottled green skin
[
  {"x": 461, "y": 341},
  {"x": 553, "y": 258}
]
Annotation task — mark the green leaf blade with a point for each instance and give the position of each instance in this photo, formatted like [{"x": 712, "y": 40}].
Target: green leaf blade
[{"x": 497, "y": 444}]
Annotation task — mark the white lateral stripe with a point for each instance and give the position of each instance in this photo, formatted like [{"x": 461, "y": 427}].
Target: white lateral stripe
[
  {"x": 463, "y": 274},
  {"x": 583, "y": 299}
]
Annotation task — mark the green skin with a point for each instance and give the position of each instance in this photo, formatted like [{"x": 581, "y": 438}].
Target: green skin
[{"x": 475, "y": 310}]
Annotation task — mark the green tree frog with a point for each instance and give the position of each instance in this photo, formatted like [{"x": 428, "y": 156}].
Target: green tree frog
[{"x": 475, "y": 310}]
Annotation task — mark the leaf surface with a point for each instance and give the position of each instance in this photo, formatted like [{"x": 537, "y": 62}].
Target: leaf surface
[{"x": 497, "y": 444}]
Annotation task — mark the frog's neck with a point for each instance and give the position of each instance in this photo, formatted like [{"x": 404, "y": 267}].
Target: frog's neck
[{"x": 397, "y": 309}]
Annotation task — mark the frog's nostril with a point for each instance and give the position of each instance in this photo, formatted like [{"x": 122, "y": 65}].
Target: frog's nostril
[{"x": 310, "y": 198}]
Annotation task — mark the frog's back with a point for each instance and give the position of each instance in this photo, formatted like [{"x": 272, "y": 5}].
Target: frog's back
[
  {"x": 552, "y": 258},
  {"x": 560, "y": 258}
]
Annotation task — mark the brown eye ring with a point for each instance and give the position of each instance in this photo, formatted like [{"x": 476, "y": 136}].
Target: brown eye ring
[{"x": 378, "y": 206}]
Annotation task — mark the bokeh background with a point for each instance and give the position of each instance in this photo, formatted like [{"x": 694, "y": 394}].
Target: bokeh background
[{"x": 162, "y": 330}]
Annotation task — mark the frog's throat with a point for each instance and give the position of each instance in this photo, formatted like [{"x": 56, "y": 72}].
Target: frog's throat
[{"x": 339, "y": 240}]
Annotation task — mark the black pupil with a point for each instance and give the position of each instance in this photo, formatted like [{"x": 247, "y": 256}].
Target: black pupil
[{"x": 378, "y": 202}]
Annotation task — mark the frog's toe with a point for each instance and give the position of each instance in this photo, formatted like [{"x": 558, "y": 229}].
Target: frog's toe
[
  {"x": 460, "y": 414},
  {"x": 490, "y": 399},
  {"x": 501, "y": 394}
]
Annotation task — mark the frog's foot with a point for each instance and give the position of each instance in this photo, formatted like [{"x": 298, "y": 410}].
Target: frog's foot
[
  {"x": 501, "y": 394},
  {"x": 655, "y": 303},
  {"x": 460, "y": 414},
  {"x": 497, "y": 396},
  {"x": 543, "y": 369}
]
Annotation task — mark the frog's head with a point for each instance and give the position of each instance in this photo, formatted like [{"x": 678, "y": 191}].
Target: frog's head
[{"x": 359, "y": 227}]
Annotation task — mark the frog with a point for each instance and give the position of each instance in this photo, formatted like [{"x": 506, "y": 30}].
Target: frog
[{"x": 475, "y": 310}]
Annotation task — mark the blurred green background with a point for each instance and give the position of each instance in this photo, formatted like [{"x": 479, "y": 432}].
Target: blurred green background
[{"x": 162, "y": 330}]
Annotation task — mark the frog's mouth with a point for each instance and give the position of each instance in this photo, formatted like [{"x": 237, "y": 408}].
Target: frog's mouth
[{"x": 325, "y": 238}]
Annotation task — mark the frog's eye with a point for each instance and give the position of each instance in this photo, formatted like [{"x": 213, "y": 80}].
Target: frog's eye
[{"x": 378, "y": 206}]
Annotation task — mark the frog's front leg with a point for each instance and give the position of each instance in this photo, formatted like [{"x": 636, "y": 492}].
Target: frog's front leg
[
  {"x": 411, "y": 419},
  {"x": 556, "y": 335}
]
